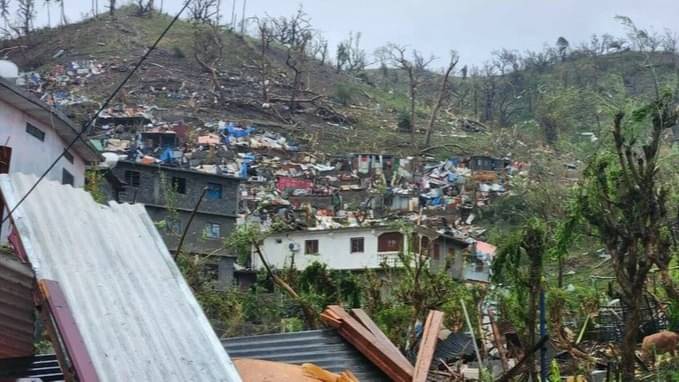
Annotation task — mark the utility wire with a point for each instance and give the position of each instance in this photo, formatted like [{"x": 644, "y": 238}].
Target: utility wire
[{"x": 103, "y": 106}]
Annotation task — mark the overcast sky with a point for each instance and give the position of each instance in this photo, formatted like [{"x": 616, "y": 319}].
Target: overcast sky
[{"x": 472, "y": 27}]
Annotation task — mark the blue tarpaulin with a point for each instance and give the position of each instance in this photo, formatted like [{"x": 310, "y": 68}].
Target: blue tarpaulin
[
  {"x": 167, "y": 155},
  {"x": 237, "y": 132},
  {"x": 245, "y": 165}
]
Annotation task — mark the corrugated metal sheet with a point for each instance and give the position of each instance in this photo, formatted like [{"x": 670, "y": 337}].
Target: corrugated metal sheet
[
  {"x": 16, "y": 308},
  {"x": 137, "y": 315},
  {"x": 325, "y": 348}
]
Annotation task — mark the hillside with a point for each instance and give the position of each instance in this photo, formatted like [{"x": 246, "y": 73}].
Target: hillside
[{"x": 339, "y": 112}]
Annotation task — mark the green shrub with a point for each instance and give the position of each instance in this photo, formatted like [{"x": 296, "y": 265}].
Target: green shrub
[{"x": 344, "y": 93}]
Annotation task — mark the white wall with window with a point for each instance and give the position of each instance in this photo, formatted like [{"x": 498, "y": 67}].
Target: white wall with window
[
  {"x": 348, "y": 248},
  {"x": 34, "y": 146}
]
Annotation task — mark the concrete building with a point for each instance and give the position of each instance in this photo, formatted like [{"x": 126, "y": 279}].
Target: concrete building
[
  {"x": 359, "y": 248},
  {"x": 170, "y": 194},
  {"x": 33, "y": 135},
  {"x": 352, "y": 248}
]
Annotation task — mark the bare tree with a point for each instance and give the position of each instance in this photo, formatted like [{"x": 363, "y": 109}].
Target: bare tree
[
  {"x": 319, "y": 49},
  {"x": 4, "y": 10},
  {"x": 641, "y": 39},
  {"x": 233, "y": 15},
  {"x": 669, "y": 41},
  {"x": 62, "y": 17},
  {"x": 208, "y": 50},
  {"x": 25, "y": 15},
  {"x": 203, "y": 11},
  {"x": 414, "y": 67},
  {"x": 350, "y": 57},
  {"x": 47, "y": 4},
  {"x": 295, "y": 34},
  {"x": 442, "y": 97},
  {"x": 145, "y": 7},
  {"x": 265, "y": 34}
]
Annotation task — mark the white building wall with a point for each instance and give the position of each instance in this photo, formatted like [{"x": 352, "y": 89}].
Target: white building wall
[
  {"x": 29, "y": 154},
  {"x": 334, "y": 249}
]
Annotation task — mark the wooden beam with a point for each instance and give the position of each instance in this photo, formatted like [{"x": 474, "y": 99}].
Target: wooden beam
[
  {"x": 385, "y": 342},
  {"x": 499, "y": 345},
  {"x": 430, "y": 337},
  {"x": 65, "y": 335},
  {"x": 365, "y": 342}
]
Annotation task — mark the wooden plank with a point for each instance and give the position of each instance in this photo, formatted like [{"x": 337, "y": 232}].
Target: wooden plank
[
  {"x": 385, "y": 342},
  {"x": 430, "y": 337},
  {"x": 65, "y": 332},
  {"x": 365, "y": 342},
  {"x": 499, "y": 345}
]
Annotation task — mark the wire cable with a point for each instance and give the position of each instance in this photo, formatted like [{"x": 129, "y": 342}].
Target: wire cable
[{"x": 96, "y": 115}]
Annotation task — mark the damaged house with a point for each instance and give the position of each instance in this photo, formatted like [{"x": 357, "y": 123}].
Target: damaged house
[{"x": 170, "y": 195}]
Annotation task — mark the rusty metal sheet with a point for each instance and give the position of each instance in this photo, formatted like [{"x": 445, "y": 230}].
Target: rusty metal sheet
[{"x": 16, "y": 308}]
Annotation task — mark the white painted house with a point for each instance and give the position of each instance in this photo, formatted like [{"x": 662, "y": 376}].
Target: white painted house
[
  {"x": 33, "y": 135},
  {"x": 357, "y": 248},
  {"x": 344, "y": 248}
]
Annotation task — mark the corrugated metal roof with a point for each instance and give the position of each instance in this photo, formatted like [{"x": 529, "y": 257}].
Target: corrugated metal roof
[
  {"x": 16, "y": 308},
  {"x": 48, "y": 115},
  {"x": 325, "y": 348},
  {"x": 137, "y": 315}
]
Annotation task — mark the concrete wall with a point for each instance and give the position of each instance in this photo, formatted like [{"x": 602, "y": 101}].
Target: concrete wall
[
  {"x": 152, "y": 192},
  {"x": 334, "y": 249},
  {"x": 32, "y": 156},
  {"x": 196, "y": 241}
]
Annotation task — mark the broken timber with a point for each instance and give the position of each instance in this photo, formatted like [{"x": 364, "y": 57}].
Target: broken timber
[
  {"x": 427, "y": 345},
  {"x": 374, "y": 347}
]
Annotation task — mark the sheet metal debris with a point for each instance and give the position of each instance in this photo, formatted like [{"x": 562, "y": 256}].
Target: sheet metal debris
[{"x": 136, "y": 314}]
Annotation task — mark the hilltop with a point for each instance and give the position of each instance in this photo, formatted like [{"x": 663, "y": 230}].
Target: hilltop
[{"x": 339, "y": 112}]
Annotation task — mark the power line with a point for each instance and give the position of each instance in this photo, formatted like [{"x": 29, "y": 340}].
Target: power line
[{"x": 96, "y": 115}]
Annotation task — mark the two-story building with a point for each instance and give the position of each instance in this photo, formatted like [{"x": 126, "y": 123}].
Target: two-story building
[
  {"x": 350, "y": 248},
  {"x": 170, "y": 194},
  {"x": 360, "y": 248},
  {"x": 33, "y": 135}
]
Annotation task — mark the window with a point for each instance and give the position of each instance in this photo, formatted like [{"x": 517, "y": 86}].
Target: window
[
  {"x": 68, "y": 156},
  {"x": 389, "y": 242},
  {"x": 357, "y": 245},
  {"x": 67, "y": 177},
  {"x": 310, "y": 247},
  {"x": 132, "y": 178},
  {"x": 174, "y": 226},
  {"x": 213, "y": 230},
  {"x": 210, "y": 271},
  {"x": 34, "y": 131},
  {"x": 214, "y": 191},
  {"x": 179, "y": 185}
]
